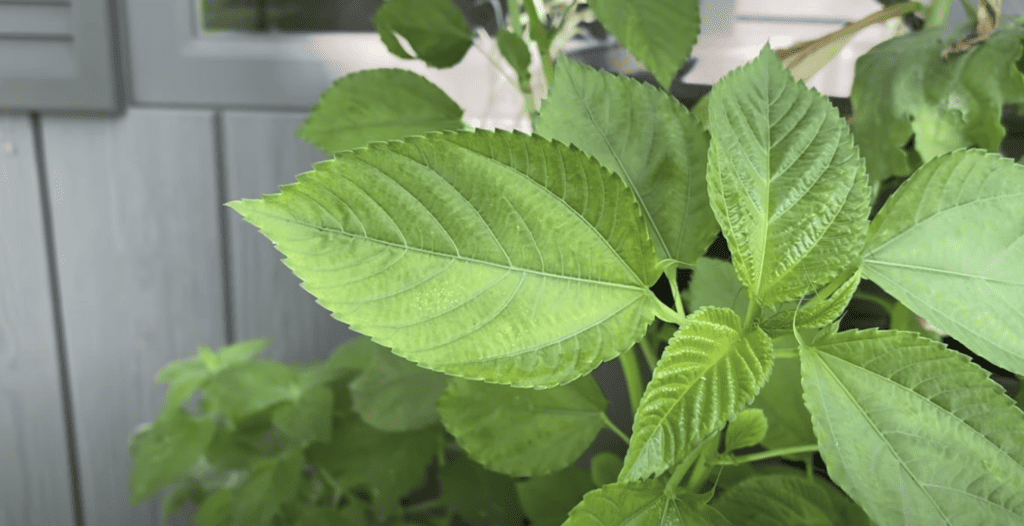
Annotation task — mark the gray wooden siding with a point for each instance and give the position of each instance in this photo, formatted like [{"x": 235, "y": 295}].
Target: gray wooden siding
[{"x": 146, "y": 265}]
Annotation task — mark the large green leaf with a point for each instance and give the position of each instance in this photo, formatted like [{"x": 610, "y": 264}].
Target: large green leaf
[
  {"x": 913, "y": 431},
  {"x": 533, "y": 258},
  {"x": 904, "y": 89},
  {"x": 659, "y": 33},
  {"x": 378, "y": 105},
  {"x": 478, "y": 496},
  {"x": 547, "y": 500},
  {"x": 165, "y": 452},
  {"x": 709, "y": 371},
  {"x": 523, "y": 432},
  {"x": 788, "y": 500},
  {"x": 949, "y": 245},
  {"x": 647, "y": 137},
  {"x": 394, "y": 394},
  {"x": 642, "y": 504},
  {"x": 436, "y": 29},
  {"x": 786, "y": 182}
]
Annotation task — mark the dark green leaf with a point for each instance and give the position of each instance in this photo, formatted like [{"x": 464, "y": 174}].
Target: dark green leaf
[
  {"x": 517, "y": 53},
  {"x": 270, "y": 484},
  {"x": 436, "y": 29},
  {"x": 165, "y": 452},
  {"x": 548, "y": 499},
  {"x": 394, "y": 394},
  {"x": 788, "y": 500},
  {"x": 605, "y": 468},
  {"x": 781, "y": 399},
  {"x": 378, "y": 105},
  {"x": 307, "y": 515},
  {"x": 216, "y": 509},
  {"x": 308, "y": 419},
  {"x": 480, "y": 497},
  {"x": 642, "y": 504},
  {"x": 189, "y": 492},
  {"x": 254, "y": 439}
]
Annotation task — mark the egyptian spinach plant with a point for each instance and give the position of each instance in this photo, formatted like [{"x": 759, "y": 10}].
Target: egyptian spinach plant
[{"x": 496, "y": 270}]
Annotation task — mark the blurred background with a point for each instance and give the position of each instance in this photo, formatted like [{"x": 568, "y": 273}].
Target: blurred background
[{"x": 124, "y": 127}]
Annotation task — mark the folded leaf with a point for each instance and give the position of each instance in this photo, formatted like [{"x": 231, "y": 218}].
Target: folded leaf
[
  {"x": 949, "y": 245},
  {"x": 533, "y": 258},
  {"x": 647, "y": 137},
  {"x": 436, "y": 29},
  {"x": 642, "y": 504},
  {"x": 659, "y": 33},
  {"x": 709, "y": 371},
  {"x": 394, "y": 394},
  {"x": 378, "y": 105},
  {"x": 788, "y": 500},
  {"x": 523, "y": 432},
  {"x": 914, "y": 431},
  {"x": 786, "y": 182}
]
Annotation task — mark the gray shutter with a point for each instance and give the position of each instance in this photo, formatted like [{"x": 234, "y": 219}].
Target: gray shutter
[{"x": 58, "y": 55}]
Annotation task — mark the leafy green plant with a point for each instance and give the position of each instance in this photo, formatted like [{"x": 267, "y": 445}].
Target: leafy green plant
[{"x": 493, "y": 271}]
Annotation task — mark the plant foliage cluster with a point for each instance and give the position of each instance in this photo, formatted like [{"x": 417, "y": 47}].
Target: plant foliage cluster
[{"x": 493, "y": 271}]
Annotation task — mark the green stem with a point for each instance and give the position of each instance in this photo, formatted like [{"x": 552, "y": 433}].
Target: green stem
[
  {"x": 771, "y": 453},
  {"x": 645, "y": 348},
  {"x": 699, "y": 474},
  {"x": 677, "y": 477},
  {"x": 665, "y": 313},
  {"x": 970, "y": 10},
  {"x": 614, "y": 428},
  {"x": 634, "y": 382},
  {"x": 938, "y": 13},
  {"x": 753, "y": 313},
  {"x": 673, "y": 282}
]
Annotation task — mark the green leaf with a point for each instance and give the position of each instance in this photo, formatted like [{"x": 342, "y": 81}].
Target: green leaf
[
  {"x": 480, "y": 497},
  {"x": 642, "y": 504},
  {"x": 378, "y": 105},
  {"x": 782, "y": 401},
  {"x": 319, "y": 516},
  {"x": 517, "y": 53},
  {"x": 659, "y": 33},
  {"x": 185, "y": 377},
  {"x": 523, "y": 432},
  {"x": 247, "y": 388},
  {"x": 165, "y": 452},
  {"x": 394, "y": 394},
  {"x": 949, "y": 245},
  {"x": 647, "y": 137},
  {"x": 436, "y": 29},
  {"x": 309, "y": 418},
  {"x": 913, "y": 431},
  {"x": 748, "y": 429},
  {"x": 788, "y": 500},
  {"x": 816, "y": 312},
  {"x": 548, "y": 499},
  {"x": 904, "y": 89},
  {"x": 189, "y": 492},
  {"x": 270, "y": 484},
  {"x": 605, "y": 468},
  {"x": 709, "y": 371},
  {"x": 786, "y": 182},
  {"x": 533, "y": 257},
  {"x": 714, "y": 284},
  {"x": 254, "y": 439},
  {"x": 216, "y": 509}
]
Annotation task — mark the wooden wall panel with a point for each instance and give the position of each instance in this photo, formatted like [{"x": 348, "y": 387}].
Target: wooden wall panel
[
  {"x": 138, "y": 244},
  {"x": 262, "y": 153},
  {"x": 35, "y": 475}
]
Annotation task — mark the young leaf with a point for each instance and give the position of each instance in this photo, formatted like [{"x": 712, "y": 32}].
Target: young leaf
[
  {"x": 534, "y": 258},
  {"x": 904, "y": 89},
  {"x": 913, "y": 431},
  {"x": 523, "y": 432},
  {"x": 394, "y": 394},
  {"x": 659, "y": 33},
  {"x": 708, "y": 372},
  {"x": 247, "y": 388},
  {"x": 816, "y": 312},
  {"x": 547, "y": 500},
  {"x": 949, "y": 245},
  {"x": 785, "y": 179},
  {"x": 436, "y": 29},
  {"x": 788, "y": 500},
  {"x": 185, "y": 377},
  {"x": 517, "y": 53},
  {"x": 270, "y": 484},
  {"x": 714, "y": 284},
  {"x": 309, "y": 418},
  {"x": 478, "y": 496},
  {"x": 167, "y": 450},
  {"x": 642, "y": 504},
  {"x": 605, "y": 468},
  {"x": 747, "y": 429},
  {"x": 649, "y": 139},
  {"x": 378, "y": 105}
]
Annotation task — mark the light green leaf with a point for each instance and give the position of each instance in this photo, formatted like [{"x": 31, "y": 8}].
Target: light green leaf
[
  {"x": 165, "y": 452},
  {"x": 646, "y": 136},
  {"x": 436, "y": 29},
  {"x": 659, "y": 33},
  {"x": 786, "y": 182},
  {"x": 605, "y": 468},
  {"x": 913, "y": 431},
  {"x": 788, "y": 500},
  {"x": 642, "y": 504},
  {"x": 478, "y": 496},
  {"x": 533, "y": 257},
  {"x": 714, "y": 284},
  {"x": 747, "y": 429},
  {"x": 394, "y": 394},
  {"x": 523, "y": 432},
  {"x": 904, "y": 89},
  {"x": 247, "y": 388},
  {"x": 517, "y": 53},
  {"x": 185, "y": 377},
  {"x": 270, "y": 484},
  {"x": 309, "y": 418},
  {"x": 816, "y": 312},
  {"x": 378, "y": 105},
  {"x": 548, "y": 499},
  {"x": 949, "y": 245},
  {"x": 782, "y": 401},
  {"x": 709, "y": 371}
]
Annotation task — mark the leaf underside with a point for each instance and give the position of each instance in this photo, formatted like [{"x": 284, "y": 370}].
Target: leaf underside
[{"x": 788, "y": 500}]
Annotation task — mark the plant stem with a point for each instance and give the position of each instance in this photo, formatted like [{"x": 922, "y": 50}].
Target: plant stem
[
  {"x": 666, "y": 313},
  {"x": 645, "y": 348},
  {"x": 614, "y": 428},
  {"x": 699, "y": 474},
  {"x": 673, "y": 282},
  {"x": 634, "y": 382},
  {"x": 677, "y": 477},
  {"x": 772, "y": 453},
  {"x": 938, "y": 13},
  {"x": 753, "y": 313}
]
